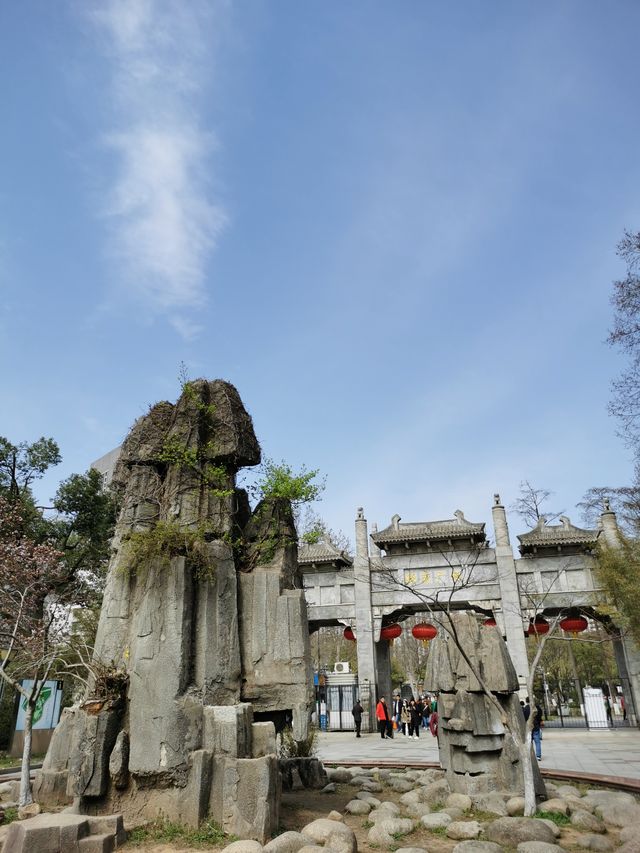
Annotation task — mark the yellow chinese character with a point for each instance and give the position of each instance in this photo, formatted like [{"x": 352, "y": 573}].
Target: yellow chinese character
[
  {"x": 440, "y": 575},
  {"x": 426, "y": 577},
  {"x": 411, "y": 578},
  {"x": 456, "y": 574}
]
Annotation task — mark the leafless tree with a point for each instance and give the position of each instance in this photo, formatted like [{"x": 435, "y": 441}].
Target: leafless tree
[{"x": 530, "y": 505}]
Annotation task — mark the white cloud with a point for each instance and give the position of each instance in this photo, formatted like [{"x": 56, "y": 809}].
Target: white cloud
[{"x": 164, "y": 223}]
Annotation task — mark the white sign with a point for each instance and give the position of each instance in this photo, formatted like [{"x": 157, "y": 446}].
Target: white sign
[{"x": 47, "y": 712}]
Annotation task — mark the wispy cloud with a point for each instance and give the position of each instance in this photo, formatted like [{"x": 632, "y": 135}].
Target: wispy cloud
[{"x": 165, "y": 222}]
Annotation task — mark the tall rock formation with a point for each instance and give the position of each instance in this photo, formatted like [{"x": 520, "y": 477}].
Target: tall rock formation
[
  {"x": 475, "y": 741},
  {"x": 203, "y": 621}
]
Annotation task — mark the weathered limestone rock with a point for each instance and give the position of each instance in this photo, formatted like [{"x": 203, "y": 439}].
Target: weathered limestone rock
[
  {"x": 119, "y": 761},
  {"x": 477, "y": 751},
  {"x": 204, "y": 622},
  {"x": 263, "y": 739}
]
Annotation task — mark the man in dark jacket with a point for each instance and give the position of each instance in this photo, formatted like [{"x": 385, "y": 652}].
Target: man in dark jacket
[{"x": 357, "y": 716}]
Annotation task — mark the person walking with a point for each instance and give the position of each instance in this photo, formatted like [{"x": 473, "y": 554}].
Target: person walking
[
  {"x": 536, "y": 731},
  {"x": 426, "y": 711},
  {"x": 415, "y": 712},
  {"x": 406, "y": 718},
  {"x": 357, "y": 711},
  {"x": 382, "y": 716},
  {"x": 607, "y": 707},
  {"x": 398, "y": 705}
]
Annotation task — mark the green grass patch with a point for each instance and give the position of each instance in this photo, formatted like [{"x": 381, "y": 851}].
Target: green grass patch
[
  {"x": 367, "y": 824},
  {"x": 437, "y": 830},
  {"x": 207, "y": 834},
  {"x": 9, "y": 816},
  {"x": 7, "y": 761},
  {"x": 556, "y": 817},
  {"x": 479, "y": 814}
]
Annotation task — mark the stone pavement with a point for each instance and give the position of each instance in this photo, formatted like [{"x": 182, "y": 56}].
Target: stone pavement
[{"x": 613, "y": 752}]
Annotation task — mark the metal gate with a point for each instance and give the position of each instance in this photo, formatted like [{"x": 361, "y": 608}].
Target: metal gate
[{"x": 340, "y": 701}]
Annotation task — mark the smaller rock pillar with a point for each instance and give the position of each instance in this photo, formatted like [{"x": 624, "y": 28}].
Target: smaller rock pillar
[
  {"x": 364, "y": 623},
  {"x": 383, "y": 664},
  {"x": 508, "y": 581}
]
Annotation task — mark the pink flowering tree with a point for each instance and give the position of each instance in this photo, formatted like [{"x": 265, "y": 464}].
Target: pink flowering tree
[{"x": 33, "y": 619}]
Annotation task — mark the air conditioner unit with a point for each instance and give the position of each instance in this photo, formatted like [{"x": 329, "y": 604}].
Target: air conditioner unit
[{"x": 341, "y": 666}]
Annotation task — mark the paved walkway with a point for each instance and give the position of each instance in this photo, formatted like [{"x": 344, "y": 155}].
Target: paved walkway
[{"x": 607, "y": 752}]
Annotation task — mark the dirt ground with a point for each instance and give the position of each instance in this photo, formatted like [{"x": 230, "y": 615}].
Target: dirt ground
[{"x": 300, "y": 807}]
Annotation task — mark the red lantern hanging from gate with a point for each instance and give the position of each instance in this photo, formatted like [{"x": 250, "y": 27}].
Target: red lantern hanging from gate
[
  {"x": 424, "y": 632},
  {"x": 348, "y": 634},
  {"x": 489, "y": 623},
  {"x": 574, "y": 625},
  {"x": 391, "y": 632},
  {"x": 538, "y": 627}
]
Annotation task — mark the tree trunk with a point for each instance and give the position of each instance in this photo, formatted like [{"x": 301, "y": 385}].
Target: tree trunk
[
  {"x": 526, "y": 760},
  {"x": 576, "y": 676},
  {"x": 25, "y": 773}
]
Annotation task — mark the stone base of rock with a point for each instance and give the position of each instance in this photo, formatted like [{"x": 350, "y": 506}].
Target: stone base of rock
[
  {"x": 223, "y": 781},
  {"x": 59, "y": 833},
  {"x": 305, "y": 772}
]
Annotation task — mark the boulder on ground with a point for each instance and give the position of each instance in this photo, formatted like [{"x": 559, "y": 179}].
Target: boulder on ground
[
  {"x": 515, "y": 806},
  {"x": 619, "y": 813},
  {"x": 329, "y": 789},
  {"x": 437, "y": 820},
  {"x": 463, "y": 830},
  {"x": 459, "y": 801},
  {"x": 334, "y": 815},
  {"x": 332, "y": 835},
  {"x": 594, "y": 842},
  {"x": 360, "y": 807},
  {"x": 587, "y": 822},
  {"x": 248, "y": 846},
  {"x": 492, "y": 802},
  {"x": 288, "y": 842},
  {"x": 401, "y": 786},
  {"x": 539, "y": 847},
  {"x": 477, "y": 846},
  {"x": 386, "y": 832},
  {"x": 555, "y": 805},
  {"x": 630, "y": 833},
  {"x": 511, "y": 831}
]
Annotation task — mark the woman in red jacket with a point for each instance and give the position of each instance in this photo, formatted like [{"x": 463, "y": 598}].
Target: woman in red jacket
[{"x": 382, "y": 716}]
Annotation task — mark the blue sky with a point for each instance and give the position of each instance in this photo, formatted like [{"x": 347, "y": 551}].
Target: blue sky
[{"x": 391, "y": 225}]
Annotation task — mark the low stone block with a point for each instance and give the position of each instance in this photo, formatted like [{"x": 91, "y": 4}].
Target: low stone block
[
  {"x": 263, "y": 739},
  {"x": 359, "y": 807},
  {"x": 104, "y": 843}
]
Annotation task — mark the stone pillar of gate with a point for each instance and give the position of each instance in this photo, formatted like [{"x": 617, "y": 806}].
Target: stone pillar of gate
[
  {"x": 626, "y": 651},
  {"x": 509, "y": 593},
  {"x": 383, "y": 662},
  {"x": 625, "y": 680},
  {"x": 364, "y": 627}
]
